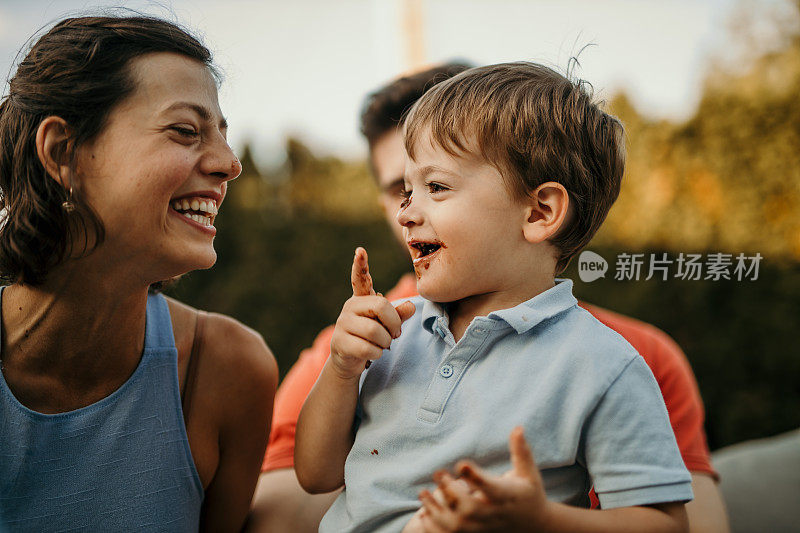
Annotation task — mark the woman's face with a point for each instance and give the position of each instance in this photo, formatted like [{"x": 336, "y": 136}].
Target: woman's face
[{"x": 158, "y": 171}]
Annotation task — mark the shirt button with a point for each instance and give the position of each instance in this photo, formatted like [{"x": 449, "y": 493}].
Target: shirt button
[{"x": 446, "y": 371}]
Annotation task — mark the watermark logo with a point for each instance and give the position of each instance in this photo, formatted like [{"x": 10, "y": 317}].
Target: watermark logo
[
  {"x": 691, "y": 267},
  {"x": 591, "y": 266}
]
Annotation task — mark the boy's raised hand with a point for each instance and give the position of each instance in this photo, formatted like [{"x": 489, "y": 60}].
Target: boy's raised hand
[
  {"x": 478, "y": 501},
  {"x": 367, "y": 324}
]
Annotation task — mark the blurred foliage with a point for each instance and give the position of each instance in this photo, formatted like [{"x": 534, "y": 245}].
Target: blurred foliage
[
  {"x": 331, "y": 188},
  {"x": 726, "y": 180}
]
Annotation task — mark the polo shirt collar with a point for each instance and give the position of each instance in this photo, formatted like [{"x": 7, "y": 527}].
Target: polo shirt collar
[
  {"x": 541, "y": 307},
  {"x": 431, "y": 312},
  {"x": 522, "y": 317}
]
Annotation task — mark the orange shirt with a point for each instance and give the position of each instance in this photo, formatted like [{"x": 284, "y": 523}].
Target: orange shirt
[{"x": 664, "y": 357}]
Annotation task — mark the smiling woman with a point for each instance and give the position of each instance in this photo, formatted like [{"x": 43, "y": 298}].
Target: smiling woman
[{"x": 116, "y": 410}]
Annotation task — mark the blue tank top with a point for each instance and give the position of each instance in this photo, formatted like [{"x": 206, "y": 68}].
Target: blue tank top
[{"x": 120, "y": 464}]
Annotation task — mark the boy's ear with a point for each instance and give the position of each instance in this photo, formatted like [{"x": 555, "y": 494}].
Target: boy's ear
[
  {"x": 547, "y": 209},
  {"x": 52, "y": 148}
]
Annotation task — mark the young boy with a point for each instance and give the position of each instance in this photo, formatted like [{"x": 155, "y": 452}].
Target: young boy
[{"x": 511, "y": 171}]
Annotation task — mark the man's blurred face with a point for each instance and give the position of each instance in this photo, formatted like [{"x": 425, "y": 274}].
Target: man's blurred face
[{"x": 388, "y": 156}]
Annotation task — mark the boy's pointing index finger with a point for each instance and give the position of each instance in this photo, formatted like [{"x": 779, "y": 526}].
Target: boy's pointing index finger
[{"x": 359, "y": 276}]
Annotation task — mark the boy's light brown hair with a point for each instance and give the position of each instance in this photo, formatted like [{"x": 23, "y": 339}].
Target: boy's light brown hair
[{"x": 534, "y": 125}]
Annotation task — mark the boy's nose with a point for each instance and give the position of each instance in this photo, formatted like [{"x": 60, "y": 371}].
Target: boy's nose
[{"x": 408, "y": 214}]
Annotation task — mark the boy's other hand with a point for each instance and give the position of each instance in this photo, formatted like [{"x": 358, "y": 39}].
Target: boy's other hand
[
  {"x": 478, "y": 501},
  {"x": 367, "y": 325}
]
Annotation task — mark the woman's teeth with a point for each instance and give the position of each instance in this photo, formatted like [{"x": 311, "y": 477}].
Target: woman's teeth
[
  {"x": 195, "y": 204},
  {"x": 201, "y": 210},
  {"x": 206, "y": 221}
]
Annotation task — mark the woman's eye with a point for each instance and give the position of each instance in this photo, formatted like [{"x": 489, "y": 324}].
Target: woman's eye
[
  {"x": 185, "y": 132},
  {"x": 435, "y": 187}
]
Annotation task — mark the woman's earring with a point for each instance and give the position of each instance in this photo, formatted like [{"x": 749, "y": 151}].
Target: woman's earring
[{"x": 67, "y": 205}]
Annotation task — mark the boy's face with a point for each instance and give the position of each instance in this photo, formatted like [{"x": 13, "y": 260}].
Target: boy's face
[{"x": 462, "y": 226}]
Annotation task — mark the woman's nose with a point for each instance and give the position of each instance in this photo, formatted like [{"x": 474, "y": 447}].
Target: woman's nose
[{"x": 220, "y": 161}]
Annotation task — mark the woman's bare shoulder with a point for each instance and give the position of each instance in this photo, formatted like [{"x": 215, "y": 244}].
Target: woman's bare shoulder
[
  {"x": 236, "y": 365},
  {"x": 231, "y": 344}
]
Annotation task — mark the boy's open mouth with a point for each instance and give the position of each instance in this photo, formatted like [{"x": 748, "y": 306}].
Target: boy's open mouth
[{"x": 422, "y": 251}]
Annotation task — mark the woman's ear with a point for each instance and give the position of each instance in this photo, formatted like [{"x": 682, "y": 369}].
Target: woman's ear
[
  {"x": 52, "y": 148},
  {"x": 547, "y": 209}
]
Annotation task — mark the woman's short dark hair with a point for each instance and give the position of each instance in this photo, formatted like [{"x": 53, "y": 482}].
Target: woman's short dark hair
[{"x": 79, "y": 71}]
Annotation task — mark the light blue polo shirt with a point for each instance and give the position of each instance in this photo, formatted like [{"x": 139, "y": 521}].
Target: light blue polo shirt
[{"x": 590, "y": 407}]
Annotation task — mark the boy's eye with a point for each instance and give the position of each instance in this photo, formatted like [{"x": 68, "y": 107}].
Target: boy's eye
[{"x": 435, "y": 187}]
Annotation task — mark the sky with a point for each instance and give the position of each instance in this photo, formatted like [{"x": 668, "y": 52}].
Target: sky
[{"x": 302, "y": 68}]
